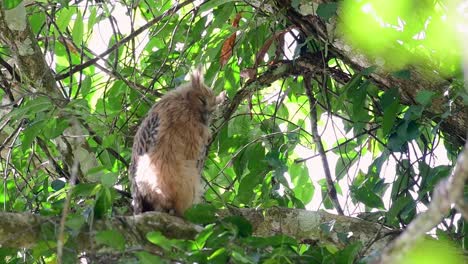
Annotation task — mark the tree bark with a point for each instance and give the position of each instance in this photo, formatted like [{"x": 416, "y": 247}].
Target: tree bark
[
  {"x": 24, "y": 230},
  {"x": 37, "y": 79}
]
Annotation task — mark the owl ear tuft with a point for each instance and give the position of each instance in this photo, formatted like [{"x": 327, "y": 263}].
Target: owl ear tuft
[{"x": 196, "y": 78}]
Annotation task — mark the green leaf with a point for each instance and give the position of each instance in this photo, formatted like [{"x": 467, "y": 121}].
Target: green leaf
[
  {"x": 57, "y": 184},
  {"x": 64, "y": 17},
  {"x": 424, "y": 97},
  {"x": 349, "y": 254},
  {"x": 201, "y": 214},
  {"x": 408, "y": 131},
  {"x": 243, "y": 225},
  {"x": 272, "y": 241},
  {"x": 241, "y": 257},
  {"x": 397, "y": 206},
  {"x": 295, "y": 4},
  {"x": 147, "y": 258},
  {"x": 389, "y": 98},
  {"x": 247, "y": 185},
  {"x": 344, "y": 163},
  {"x": 86, "y": 189},
  {"x": 367, "y": 197},
  {"x": 36, "y": 20},
  {"x": 369, "y": 70},
  {"x": 75, "y": 222},
  {"x": 221, "y": 255},
  {"x": 303, "y": 188},
  {"x": 402, "y": 74},
  {"x": 103, "y": 203},
  {"x": 10, "y": 4},
  {"x": 92, "y": 19},
  {"x": 55, "y": 128},
  {"x": 327, "y": 227},
  {"x": 77, "y": 32},
  {"x": 389, "y": 117},
  {"x": 204, "y": 235},
  {"x": 327, "y": 10},
  {"x": 439, "y": 173},
  {"x": 160, "y": 240},
  {"x": 414, "y": 112},
  {"x": 112, "y": 238},
  {"x": 32, "y": 108},
  {"x": 109, "y": 179},
  {"x": 396, "y": 144},
  {"x": 213, "y": 4},
  {"x": 31, "y": 132}
]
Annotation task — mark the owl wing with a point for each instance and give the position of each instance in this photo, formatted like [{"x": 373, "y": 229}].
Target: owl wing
[
  {"x": 147, "y": 134},
  {"x": 144, "y": 140}
]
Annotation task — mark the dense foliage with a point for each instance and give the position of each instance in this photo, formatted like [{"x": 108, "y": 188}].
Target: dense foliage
[{"x": 68, "y": 151}]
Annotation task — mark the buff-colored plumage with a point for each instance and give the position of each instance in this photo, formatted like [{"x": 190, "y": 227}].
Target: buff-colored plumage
[{"x": 168, "y": 146}]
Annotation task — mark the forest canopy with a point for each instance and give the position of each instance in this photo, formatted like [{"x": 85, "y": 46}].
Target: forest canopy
[{"x": 337, "y": 142}]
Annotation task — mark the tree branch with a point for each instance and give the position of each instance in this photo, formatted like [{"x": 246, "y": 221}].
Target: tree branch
[
  {"x": 318, "y": 142},
  {"x": 423, "y": 77},
  {"x": 26, "y": 230},
  {"x": 29, "y": 58},
  {"x": 131, "y": 36}
]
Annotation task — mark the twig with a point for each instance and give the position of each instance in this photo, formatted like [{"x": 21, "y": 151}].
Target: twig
[
  {"x": 66, "y": 207},
  {"x": 318, "y": 142},
  {"x": 123, "y": 41}
]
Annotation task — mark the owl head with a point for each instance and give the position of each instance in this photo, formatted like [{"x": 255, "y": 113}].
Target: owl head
[{"x": 200, "y": 96}]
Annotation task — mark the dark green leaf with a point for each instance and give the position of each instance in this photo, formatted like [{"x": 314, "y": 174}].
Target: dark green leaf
[
  {"x": 103, "y": 203},
  {"x": 244, "y": 227},
  {"x": 397, "y": 206},
  {"x": 55, "y": 128},
  {"x": 327, "y": 10},
  {"x": 57, "y": 184},
  {"x": 403, "y": 74},
  {"x": 424, "y": 97},
  {"x": 367, "y": 197},
  {"x": 408, "y": 131},
  {"x": 369, "y": 70},
  {"x": 75, "y": 222},
  {"x": 31, "y": 132},
  {"x": 247, "y": 186},
  {"x": 201, "y": 214},
  {"x": 327, "y": 227},
  {"x": 390, "y": 116},
  {"x": 213, "y": 4},
  {"x": 389, "y": 98},
  {"x": 349, "y": 254},
  {"x": 272, "y": 241}
]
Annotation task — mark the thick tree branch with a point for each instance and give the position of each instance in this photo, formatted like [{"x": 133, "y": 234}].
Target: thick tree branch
[
  {"x": 16, "y": 33},
  {"x": 26, "y": 230}
]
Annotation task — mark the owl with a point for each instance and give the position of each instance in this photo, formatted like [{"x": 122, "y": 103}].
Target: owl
[{"x": 168, "y": 147}]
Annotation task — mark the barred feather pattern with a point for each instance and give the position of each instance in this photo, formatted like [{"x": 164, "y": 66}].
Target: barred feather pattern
[{"x": 168, "y": 149}]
